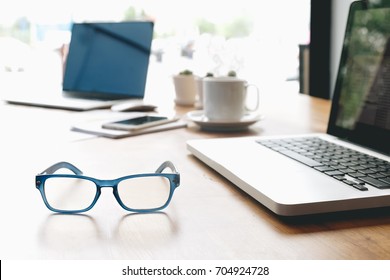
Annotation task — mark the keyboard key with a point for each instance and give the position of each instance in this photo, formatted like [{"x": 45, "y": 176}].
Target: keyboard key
[
  {"x": 334, "y": 173},
  {"x": 346, "y": 170},
  {"x": 367, "y": 171},
  {"x": 374, "y": 182},
  {"x": 386, "y": 180},
  {"x": 357, "y": 184},
  {"x": 337, "y": 167},
  {"x": 324, "y": 168},
  {"x": 377, "y": 176},
  {"x": 357, "y": 167},
  {"x": 356, "y": 174},
  {"x": 360, "y": 187}
]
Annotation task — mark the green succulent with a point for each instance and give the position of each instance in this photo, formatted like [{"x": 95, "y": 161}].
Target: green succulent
[{"x": 186, "y": 72}]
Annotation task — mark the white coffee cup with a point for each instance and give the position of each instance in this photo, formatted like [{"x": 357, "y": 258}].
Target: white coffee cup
[{"x": 225, "y": 98}]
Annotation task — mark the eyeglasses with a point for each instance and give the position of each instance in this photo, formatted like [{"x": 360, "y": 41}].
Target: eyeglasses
[{"x": 75, "y": 193}]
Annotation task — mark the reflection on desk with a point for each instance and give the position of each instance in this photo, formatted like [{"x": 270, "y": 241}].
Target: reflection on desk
[{"x": 131, "y": 231}]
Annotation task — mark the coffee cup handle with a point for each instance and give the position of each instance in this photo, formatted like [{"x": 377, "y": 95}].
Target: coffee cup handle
[{"x": 257, "y": 98}]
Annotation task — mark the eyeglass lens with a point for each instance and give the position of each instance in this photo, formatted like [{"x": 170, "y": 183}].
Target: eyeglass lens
[
  {"x": 142, "y": 193},
  {"x": 69, "y": 194},
  {"x": 139, "y": 193}
]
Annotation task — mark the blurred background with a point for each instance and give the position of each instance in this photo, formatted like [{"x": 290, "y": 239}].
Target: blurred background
[{"x": 258, "y": 39}]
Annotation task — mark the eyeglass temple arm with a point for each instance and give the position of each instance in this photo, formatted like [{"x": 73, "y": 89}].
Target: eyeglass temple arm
[
  {"x": 167, "y": 164},
  {"x": 60, "y": 165}
]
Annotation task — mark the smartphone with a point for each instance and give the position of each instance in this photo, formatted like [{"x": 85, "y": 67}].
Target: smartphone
[{"x": 139, "y": 122}]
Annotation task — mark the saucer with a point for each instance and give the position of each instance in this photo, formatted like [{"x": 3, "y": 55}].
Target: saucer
[{"x": 200, "y": 119}]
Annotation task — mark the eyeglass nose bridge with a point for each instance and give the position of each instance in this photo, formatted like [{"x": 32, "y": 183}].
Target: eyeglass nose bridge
[{"x": 107, "y": 184}]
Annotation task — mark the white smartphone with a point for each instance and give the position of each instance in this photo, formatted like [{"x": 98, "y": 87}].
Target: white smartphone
[{"x": 139, "y": 122}]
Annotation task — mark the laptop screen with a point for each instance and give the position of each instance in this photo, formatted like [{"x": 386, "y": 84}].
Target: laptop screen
[
  {"x": 109, "y": 59},
  {"x": 361, "y": 101}
]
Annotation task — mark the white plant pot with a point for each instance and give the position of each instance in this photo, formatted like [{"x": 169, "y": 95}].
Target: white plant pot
[{"x": 186, "y": 89}]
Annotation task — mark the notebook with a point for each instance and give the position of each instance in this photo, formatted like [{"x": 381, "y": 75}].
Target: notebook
[
  {"x": 347, "y": 168},
  {"x": 106, "y": 63}
]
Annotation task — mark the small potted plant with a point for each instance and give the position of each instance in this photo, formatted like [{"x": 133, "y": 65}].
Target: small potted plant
[{"x": 185, "y": 88}]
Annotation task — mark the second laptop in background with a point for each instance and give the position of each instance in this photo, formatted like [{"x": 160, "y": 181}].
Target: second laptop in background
[{"x": 106, "y": 63}]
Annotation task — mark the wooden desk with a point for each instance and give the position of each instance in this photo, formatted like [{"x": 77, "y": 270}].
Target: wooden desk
[{"x": 208, "y": 218}]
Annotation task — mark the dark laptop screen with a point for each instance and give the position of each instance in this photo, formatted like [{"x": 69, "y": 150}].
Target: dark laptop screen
[
  {"x": 109, "y": 59},
  {"x": 361, "y": 105}
]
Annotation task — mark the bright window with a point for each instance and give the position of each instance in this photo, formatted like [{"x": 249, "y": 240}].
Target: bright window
[{"x": 257, "y": 39}]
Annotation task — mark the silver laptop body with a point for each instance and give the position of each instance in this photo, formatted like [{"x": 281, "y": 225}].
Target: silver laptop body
[{"x": 359, "y": 121}]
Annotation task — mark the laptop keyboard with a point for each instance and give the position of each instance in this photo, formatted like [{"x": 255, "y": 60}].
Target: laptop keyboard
[{"x": 351, "y": 167}]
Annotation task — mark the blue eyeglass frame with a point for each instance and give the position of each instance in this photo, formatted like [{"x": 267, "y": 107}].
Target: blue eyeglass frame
[{"x": 174, "y": 180}]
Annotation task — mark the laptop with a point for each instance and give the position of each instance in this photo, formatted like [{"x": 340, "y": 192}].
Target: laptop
[
  {"x": 107, "y": 63},
  {"x": 347, "y": 168}
]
